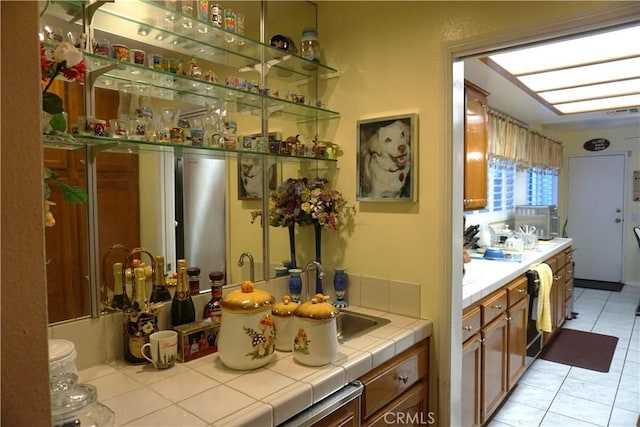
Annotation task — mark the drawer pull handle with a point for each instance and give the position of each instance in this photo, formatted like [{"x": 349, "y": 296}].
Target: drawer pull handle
[
  {"x": 508, "y": 318},
  {"x": 481, "y": 340},
  {"x": 522, "y": 291},
  {"x": 498, "y": 306},
  {"x": 403, "y": 378},
  {"x": 467, "y": 328}
]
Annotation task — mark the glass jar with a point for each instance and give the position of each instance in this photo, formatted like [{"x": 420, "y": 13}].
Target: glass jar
[
  {"x": 74, "y": 404},
  {"x": 310, "y": 47}
]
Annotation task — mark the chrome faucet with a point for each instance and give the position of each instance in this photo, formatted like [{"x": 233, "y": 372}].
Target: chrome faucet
[
  {"x": 241, "y": 263},
  {"x": 319, "y": 275}
]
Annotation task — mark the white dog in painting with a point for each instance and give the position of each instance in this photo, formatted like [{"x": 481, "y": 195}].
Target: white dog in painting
[
  {"x": 385, "y": 161},
  {"x": 251, "y": 177}
]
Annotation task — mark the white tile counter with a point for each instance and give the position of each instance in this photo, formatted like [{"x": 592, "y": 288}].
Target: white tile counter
[
  {"x": 204, "y": 392},
  {"x": 482, "y": 277}
]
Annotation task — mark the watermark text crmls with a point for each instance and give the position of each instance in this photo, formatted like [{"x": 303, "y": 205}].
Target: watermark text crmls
[{"x": 409, "y": 418}]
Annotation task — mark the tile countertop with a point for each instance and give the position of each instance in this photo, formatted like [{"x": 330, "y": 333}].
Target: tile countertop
[
  {"x": 482, "y": 276},
  {"x": 203, "y": 392}
]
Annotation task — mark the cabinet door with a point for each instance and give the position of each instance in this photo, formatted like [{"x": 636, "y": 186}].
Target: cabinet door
[
  {"x": 409, "y": 409},
  {"x": 476, "y": 137},
  {"x": 494, "y": 365},
  {"x": 560, "y": 291},
  {"x": 517, "y": 343},
  {"x": 471, "y": 381},
  {"x": 346, "y": 416}
]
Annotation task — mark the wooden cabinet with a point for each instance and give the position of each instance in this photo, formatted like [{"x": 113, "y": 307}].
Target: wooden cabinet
[
  {"x": 517, "y": 341},
  {"x": 493, "y": 357},
  {"x": 476, "y": 137},
  {"x": 471, "y": 381},
  {"x": 568, "y": 283},
  {"x": 494, "y": 365},
  {"x": 400, "y": 385}
]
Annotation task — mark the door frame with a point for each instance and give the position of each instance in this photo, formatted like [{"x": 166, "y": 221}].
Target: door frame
[
  {"x": 450, "y": 331},
  {"x": 624, "y": 155}
]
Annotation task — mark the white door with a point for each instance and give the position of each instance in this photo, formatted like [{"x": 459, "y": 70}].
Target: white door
[{"x": 595, "y": 195}]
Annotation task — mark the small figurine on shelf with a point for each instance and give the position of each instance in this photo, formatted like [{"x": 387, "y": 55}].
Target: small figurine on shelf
[{"x": 340, "y": 285}]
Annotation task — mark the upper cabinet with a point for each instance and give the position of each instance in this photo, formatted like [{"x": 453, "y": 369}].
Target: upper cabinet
[{"x": 476, "y": 137}]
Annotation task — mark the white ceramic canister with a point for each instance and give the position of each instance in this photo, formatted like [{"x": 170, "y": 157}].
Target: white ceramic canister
[
  {"x": 284, "y": 319},
  {"x": 62, "y": 357},
  {"x": 247, "y": 337},
  {"x": 315, "y": 342}
]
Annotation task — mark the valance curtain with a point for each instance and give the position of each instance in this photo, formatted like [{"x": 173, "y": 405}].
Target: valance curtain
[{"x": 513, "y": 141}]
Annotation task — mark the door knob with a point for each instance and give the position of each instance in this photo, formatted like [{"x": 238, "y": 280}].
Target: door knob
[
  {"x": 618, "y": 210},
  {"x": 618, "y": 220}
]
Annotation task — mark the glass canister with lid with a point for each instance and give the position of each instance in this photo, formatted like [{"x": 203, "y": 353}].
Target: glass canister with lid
[
  {"x": 62, "y": 357},
  {"x": 310, "y": 47},
  {"x": 74, "y": 404}
]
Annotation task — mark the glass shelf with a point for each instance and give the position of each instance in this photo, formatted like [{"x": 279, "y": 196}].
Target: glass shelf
[
  {"x": 135, "y": 146},
  {"x": 151, "y": 23},
  {"x": 165, "y": 85}
]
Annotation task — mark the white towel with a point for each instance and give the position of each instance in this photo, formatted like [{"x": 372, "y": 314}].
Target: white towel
[{"x": 543, "y": 320}]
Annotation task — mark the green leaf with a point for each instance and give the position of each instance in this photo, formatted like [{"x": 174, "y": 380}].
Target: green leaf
[
  {"x": 51, "y": 103},
  {"x": 58, "y": 122},
  {"x": 73, "y": 194}
]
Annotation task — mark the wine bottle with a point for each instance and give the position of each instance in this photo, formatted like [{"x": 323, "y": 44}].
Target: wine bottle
[
  {"x": 182, "y": 308},
  {"x": 213, "y": 309},
  {"x": 120, "y": 299},
  {"x": 160, "y": 293},
  {"x": 141, "y": 303}
]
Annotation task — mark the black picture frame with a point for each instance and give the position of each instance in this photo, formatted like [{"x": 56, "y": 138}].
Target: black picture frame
[{"x": 387, "y": 168}]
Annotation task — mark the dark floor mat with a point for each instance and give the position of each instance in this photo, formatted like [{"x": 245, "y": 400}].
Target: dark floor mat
[
  {"x": 597, "y": 284},
  {"x": 581, "y": 349}
]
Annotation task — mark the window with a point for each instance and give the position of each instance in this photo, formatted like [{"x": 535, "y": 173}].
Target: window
[
  {"x": 542, "y": 187},
  {"x": 501, "y": 186}
]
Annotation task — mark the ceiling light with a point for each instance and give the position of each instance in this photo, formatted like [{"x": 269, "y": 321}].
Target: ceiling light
[{"x": 597, "y": 71}]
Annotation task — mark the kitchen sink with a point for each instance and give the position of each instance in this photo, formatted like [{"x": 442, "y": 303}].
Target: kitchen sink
[{"x": 352, "y": 325}]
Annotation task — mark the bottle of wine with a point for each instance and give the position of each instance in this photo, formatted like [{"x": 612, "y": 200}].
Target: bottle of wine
[
  {"x": 160, "y": 293},
  {"x": 182, "y": 308},
  {"x": 141, "y": 303},
  {"x": 213, "y": 309},
  {"x": 120, "y": 299}
]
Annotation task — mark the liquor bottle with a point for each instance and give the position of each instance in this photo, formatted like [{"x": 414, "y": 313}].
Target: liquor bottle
[
  {"x": 193, "y": 277},
  {"x": 212, "y": 308},
  {"x": 120, "y": 299},
  {"x": 160, "y": 293},
  {"x": 182, "y": 308}
]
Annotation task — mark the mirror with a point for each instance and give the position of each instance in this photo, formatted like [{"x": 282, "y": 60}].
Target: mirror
[{"x": 136, "y": 191}]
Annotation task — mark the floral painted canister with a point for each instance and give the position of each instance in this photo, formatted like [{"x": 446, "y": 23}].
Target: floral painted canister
[
  {"x": 247, "y": 337},
  {"x": 315, "y": 341}
]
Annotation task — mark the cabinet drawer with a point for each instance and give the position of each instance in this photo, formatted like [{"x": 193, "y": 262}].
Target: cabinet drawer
[
  {"x": 493, "y": 306},
  {"x": 391, "y": 379},
  {"x": 517, "y": 290},
  {"x": 568, "y": 255},
  {"x": 471, "y": 323}
]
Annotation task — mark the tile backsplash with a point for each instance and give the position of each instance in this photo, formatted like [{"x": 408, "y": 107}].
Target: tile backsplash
[{"x": 101, "y": 340}]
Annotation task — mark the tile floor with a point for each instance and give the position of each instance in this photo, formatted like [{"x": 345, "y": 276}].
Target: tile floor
[{"x": 554, "y": 395}]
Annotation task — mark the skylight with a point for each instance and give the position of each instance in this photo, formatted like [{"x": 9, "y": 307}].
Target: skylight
[{"x": 595, "y": 72}]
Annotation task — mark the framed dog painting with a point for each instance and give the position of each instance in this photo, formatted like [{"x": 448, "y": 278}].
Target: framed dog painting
[
  {"x": 250, "y": 177},
  {"x": 387, "y": 149}
]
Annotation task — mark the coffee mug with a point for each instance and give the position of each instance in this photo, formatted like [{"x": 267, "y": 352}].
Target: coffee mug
[{"x": 163, "y": 347}]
